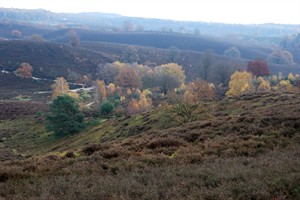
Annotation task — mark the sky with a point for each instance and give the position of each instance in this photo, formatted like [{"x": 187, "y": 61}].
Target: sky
[{"x": 225, "y": 11}]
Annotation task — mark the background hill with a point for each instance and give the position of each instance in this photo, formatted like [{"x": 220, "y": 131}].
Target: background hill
[
  {"x": 166, "y": 40},
  {"x": 50, "y": 60}
]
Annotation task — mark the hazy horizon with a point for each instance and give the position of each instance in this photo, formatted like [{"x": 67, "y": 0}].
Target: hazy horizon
[{"x": 231, "y": 11}]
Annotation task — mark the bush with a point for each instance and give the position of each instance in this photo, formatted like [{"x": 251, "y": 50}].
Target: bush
[
  {"x": 65, "y": 117},
  {"x": 107, "y": 108}
]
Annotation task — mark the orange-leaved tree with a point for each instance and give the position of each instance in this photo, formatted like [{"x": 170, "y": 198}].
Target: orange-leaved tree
[
  {"x": 128, "y": 78},
  {"x": 199, "y": 90},
  {"x": 25, "y": 70}
]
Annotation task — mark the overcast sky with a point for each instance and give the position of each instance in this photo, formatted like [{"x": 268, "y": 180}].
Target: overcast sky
[{"x": 227, "y": 11}]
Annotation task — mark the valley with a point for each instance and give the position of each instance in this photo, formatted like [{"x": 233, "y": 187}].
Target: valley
[{"x": 136, "y": 108}]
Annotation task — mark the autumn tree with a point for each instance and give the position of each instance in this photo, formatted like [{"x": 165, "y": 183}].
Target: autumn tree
[
  {"x": 291, "y": 77},
  {"x": 199, "y": 90},
  {"x": 240, "y": 82},
  {"x": 128, "y": 78},
  {"x": 264, "y": 85},
  {"x": 142, "y": 104},
  {"x": 109, "y": 71},
  {"x": 232, "y": 52},
  {"x": 99, "y": 92},
  {"x": 133, "y": 107},
  {"x": 258, "y": 68},
  {"x": 25, "y": 70},
  {"x": 145, "y": 102},
  {"x": 285, "y": 85},
  {"x": 168, "y": 76},
  {"x": 61, "y": 87},
  {"x": 111, "y": 90}
]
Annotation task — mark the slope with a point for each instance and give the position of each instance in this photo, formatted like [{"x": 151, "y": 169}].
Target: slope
[
  {"x": 49, "y": 60},
  {"x": 241, "y": 148}
]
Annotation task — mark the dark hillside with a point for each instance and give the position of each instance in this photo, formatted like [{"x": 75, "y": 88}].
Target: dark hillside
[
  {"x": 50, "y": 60},
  {"x": 12, "y": 86},
  {"x": 190, "y": 60},
  {"x": 165, "y": 40},
  {"x": 26, "y": 30}
]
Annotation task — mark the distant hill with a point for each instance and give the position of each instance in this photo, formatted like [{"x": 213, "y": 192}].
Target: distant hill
[
  {"x": 165, "y": 40},
  {"x": 96, "y": 21}
]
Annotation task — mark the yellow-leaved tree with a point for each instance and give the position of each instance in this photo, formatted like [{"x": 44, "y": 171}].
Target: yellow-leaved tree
[
  {"x": 240, "y": 83},
  {"x": 143, "y": 104},
  {"x": 61, "y": 87},
  {"x": 264, "y": 85},
  {"x": 99, "y": 92},
  {"x": 111, "y": 89}
]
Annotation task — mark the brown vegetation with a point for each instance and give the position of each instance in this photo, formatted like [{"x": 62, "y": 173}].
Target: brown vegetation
[{"x": 240, "y": 148}]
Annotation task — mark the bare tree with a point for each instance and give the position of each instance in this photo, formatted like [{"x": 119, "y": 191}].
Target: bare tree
[{"x": 207, "y": 63}]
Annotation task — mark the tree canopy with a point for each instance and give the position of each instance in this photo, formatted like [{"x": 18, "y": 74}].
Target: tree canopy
[
  {"x": 258, "y": 68},
  {"x": 65, "y": 117},
  {"x": 240, "y": 83}
]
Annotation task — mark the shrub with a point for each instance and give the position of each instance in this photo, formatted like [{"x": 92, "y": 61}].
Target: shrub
[{"x": 107, "y": 108}]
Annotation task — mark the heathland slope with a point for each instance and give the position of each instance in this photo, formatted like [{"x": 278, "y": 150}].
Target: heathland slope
[
  {"x": 165, "y": 40},
  {"x": 242, "y": 148},
  {"x": 48, "y": 59}
]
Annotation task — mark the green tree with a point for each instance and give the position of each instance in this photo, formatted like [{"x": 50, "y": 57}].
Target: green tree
[
  {"x": 65, "y": 117},
  {"x": 107, "y": 107}
]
